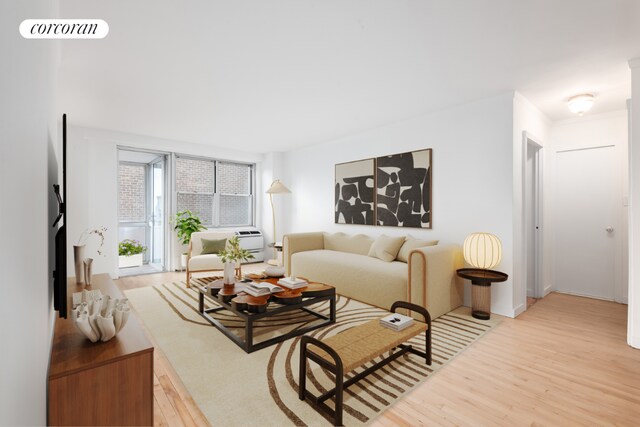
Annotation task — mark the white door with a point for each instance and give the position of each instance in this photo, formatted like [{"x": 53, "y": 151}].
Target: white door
[
  {"x": 586, "y": 221},
  {"x": 532, "y": 217}
]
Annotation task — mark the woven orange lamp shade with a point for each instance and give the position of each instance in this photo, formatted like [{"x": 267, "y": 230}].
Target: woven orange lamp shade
[{"x": 482, "y": 250}]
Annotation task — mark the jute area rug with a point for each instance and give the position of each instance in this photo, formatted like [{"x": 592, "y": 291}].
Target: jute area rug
[{"x": 233, "y": 388}]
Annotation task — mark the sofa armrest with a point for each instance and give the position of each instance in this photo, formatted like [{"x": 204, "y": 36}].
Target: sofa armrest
[
  {"x": 433, "y": 282},
  {"x": 300, "y": 242}
]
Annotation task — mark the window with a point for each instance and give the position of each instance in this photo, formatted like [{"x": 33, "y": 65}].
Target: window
[
  {"x": 236, "y": 199},
  {"x": 195, "y": 187},
  {"x": 220, "y": 193},
  {"x": 132, "y": 192}
]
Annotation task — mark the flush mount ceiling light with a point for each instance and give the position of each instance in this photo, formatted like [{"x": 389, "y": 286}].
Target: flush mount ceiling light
[{"x": 580, "y": 104}]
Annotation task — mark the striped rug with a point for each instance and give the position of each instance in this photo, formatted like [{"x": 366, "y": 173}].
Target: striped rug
[{"x": 233, "y": 388}]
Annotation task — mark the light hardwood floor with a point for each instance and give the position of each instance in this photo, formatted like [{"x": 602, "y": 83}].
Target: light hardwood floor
[{"x": 564, "y": 361}]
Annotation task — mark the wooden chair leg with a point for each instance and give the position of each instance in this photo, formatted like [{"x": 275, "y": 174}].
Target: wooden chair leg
[
  {"x": 339, "y": 395},
  {"x": 302, "y": 373},
  {"x": 188, "y": 278}
]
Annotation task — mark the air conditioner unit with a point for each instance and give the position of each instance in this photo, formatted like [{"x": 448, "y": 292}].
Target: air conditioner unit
[{"x": 252, "y": 240}]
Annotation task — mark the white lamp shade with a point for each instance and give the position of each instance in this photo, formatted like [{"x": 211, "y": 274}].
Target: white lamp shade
[
  {"x": 580, "y": 104},
  {"x": 278, "y": 188},
  {"x": 482, "y": 250}
]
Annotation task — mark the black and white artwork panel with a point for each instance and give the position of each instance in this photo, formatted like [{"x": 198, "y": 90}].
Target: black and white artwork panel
[
  {"x": 354, "y": 192},
  {"x": 403, "y": 193}
]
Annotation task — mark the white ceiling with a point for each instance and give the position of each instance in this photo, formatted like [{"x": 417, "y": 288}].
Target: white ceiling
[{"x": 272, "y": 75}]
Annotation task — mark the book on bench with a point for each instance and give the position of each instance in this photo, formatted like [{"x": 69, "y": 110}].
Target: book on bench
[
  {"x": 261, "y": 289},
  {"x": 396, "y": 321},
  {"x": 293, "y": 282}
]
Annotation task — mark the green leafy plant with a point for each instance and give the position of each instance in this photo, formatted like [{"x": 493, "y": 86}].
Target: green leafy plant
[
  {"x": 233, "y": 252},
  {"x": 187, "y": 223},
  {"x": 130, "y": 247}
]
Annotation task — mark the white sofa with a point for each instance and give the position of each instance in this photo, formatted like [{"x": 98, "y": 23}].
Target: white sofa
[
  {"x": 200, "y": 263},
  {"x": 428, "y": 279}
]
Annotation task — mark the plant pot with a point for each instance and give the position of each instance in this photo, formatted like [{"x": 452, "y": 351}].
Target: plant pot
[
  {"x": 183, "y": 261},
  {"x": 130, "y": 261},
  {"x": 229, "y": 273}
]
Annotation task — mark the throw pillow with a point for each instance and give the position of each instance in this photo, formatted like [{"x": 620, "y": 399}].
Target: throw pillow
[
  {"x": 213, "y": 246},
  {"x": 411, "y": 244},
  {"x": 386, "y": 248}
]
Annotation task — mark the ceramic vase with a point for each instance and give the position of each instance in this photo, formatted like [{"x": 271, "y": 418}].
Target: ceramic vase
[
  {"x": 229, "y": 273},
  {"x": 101, "y": 319},
  {"x": 88, "y": 265},
  {"x": 78, "y": 257}
]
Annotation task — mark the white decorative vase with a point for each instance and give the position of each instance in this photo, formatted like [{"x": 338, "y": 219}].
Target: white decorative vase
[
  {"x": 78, "y": 257},
  {"x": 183, "y": 261},
  {"x": 101, "y": 319},
  {"x": 229, "y": 273},
  {"x": 88, "y": 268}
]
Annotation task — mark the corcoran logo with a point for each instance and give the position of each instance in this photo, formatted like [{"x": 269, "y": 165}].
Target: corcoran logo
[{"x": 64, "y": 29}]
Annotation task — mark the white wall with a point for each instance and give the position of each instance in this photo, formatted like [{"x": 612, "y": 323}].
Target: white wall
[
  {"x": 633, "y": 324},
  {"x": 526, "y": 118},
  {"x": 28, "y": 167},
  {"x": 92, "y": 183},
  {"x": 472, "y": 178},
  {"x": 595, "y": 131}
]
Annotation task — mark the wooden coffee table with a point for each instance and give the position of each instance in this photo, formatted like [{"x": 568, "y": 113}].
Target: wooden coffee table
[{"x": 252, "y": 309}]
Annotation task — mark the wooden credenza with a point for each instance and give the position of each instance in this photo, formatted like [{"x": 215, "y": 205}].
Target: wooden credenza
[{"x": 100, "y": 383}]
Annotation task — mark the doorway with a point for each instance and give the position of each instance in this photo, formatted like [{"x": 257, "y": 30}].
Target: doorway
[
  {"x": 533, "y": 168},
  {"x": 142, "y": 207},
  {"x": 587, "y": 218}
]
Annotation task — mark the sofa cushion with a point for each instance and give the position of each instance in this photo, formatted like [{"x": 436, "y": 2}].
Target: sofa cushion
[
  {"x": 196, "y": 238},
  {"x": 358, "y": 244},
  {"x": 410, "y": 244},
  {"x": 205, "y": 262},
  {"x": 386, "y": 248},
  {"x": 355, "y": 276},
  {"x": 213, "y": 246}
]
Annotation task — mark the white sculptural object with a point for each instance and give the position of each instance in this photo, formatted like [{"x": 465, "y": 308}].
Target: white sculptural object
[{"x": 102, "y": 318}]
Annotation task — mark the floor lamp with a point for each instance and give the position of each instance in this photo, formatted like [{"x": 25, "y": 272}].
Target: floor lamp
[{"x": 276, "y": 188}]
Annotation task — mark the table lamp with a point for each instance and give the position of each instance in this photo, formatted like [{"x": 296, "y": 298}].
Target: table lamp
[
  {"x": 483, "y": 251},
  {"x": 276, "y": 188}
]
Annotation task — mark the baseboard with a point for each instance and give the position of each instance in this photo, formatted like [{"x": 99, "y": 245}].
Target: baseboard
[
  {"x": 634, "y": 341},
  {"x": 546, "y": 290},
  {"x": 518, "y": 310},
  {"x": 585, "y": 296}
]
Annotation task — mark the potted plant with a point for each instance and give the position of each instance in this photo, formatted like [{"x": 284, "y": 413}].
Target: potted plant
[
  {"x": 230, "y": 256},
  {"x": 187, "y": 223},
  {"x": 130, "y": 253}
]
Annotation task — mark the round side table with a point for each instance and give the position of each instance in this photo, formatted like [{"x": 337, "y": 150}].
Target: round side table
[{"x": 481, "y": 289}]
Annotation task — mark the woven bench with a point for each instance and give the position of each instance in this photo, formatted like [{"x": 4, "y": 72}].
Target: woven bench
[{"x": 346, "y": 351}]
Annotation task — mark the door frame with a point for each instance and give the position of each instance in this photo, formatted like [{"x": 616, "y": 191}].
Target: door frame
[
  {"x": 167, "y": 200},
  {"x": 164, "y": 158},
  {"x": 528, "y": 140}
]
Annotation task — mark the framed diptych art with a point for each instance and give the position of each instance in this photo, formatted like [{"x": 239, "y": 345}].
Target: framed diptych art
[
  {"x": 403, "y": 189},
  {"x": 354, "y": 190},
  {"x": 392, "y": 190}
]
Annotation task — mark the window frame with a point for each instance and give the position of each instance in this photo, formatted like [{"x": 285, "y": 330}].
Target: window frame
[{"x": 216, "y": 194}]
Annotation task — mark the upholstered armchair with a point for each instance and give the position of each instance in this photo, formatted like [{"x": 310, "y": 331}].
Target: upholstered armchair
[{"x": 197, "y": 262}]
